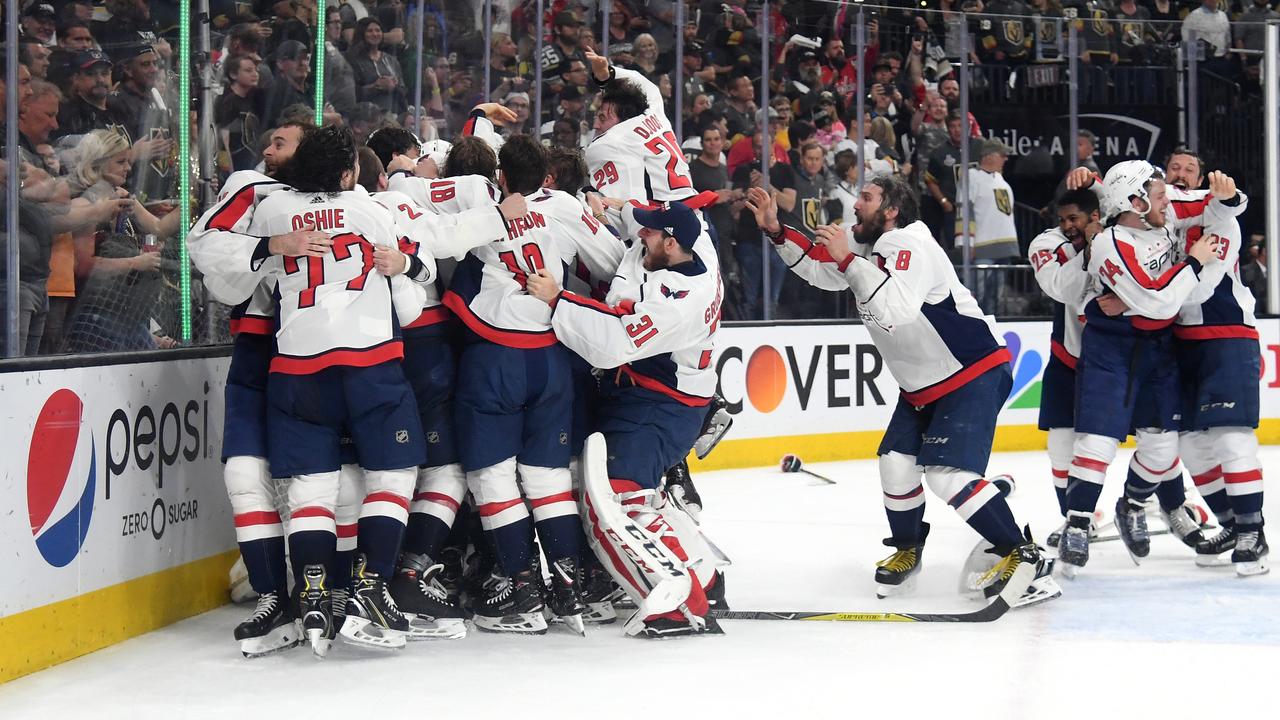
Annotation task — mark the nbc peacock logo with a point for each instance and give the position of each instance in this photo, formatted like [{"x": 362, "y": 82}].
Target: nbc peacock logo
[
  {"x": 1025, "y": 393},
  {"x": 61, "y": 477}
]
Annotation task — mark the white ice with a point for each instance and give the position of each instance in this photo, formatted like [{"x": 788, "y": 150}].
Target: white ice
[{"x": 1166, "y": 640}]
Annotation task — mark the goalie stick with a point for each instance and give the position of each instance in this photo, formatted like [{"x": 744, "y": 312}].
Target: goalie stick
[{"x": 1017, "y": 585}]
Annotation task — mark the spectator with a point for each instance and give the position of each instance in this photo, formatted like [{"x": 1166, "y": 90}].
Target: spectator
[
  {"x": 130, "y": 23},
  {"x": 941, "y": 171},
  {"x": 293, "y": 67},
  {"x": 574, "y": 74},
  {"x": 845, "y": 192},
  {"x": 782, "y": 106},
  {"x": 149, "y": 122},
  {"x": 88, "y": 109},
  {"x": 838, "y": 71},
  {"x": 710, "y": 172},
  {"x": 699, "y": 76},
  {"x": 504, "y": 75},
  {"x": 949, "y": 89},
  {"x": 38, "y": 22},
  {"x": 804, "y": 79},
  {"x": 246, "y": 39},
  {"x": 1253, "y": 270},
  {"x": 35, "y": 56},
  {"x": 1165, "y": 21},
  {"x": 646, "y": 57},
  {"x": 739, "y": 107},
  {"x": 1003, "y": 39},
  {"x": 237, "y": 113},
  {"x": 121, "y": 275},
  {"x": 378, "y": 78},
  {"x": 1100, "y": 46},
  {"x": 621, "y": 54},
  {"x": 339, "y": 78},
  {"x": 1251, "y": 24},
  {"x": 1086, "y": 146},
  {"x": 1209, "y": 25},
  {"x": 557, "y": 55},
  {"x": 994, "y": 236},
  {"x": 572, "y": 105},
  {"x": 747, "y": 248},
  {"x": 519, "y": 103},
  {"x": 804, "y": 192},
  {"x": 566, "y": 134},
  {"x": 621, "y": 19},
  {"x": 746, "y": 150},
  {"x": 73, "y": 39}
]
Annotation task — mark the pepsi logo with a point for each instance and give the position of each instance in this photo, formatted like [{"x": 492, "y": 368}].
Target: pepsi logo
[{"x": 61, "y": 476}]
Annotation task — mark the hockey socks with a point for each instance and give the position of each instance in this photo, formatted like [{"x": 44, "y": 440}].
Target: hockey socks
[
  {"x": 436, "y": 501},
  {"x": 264, "y": 563},
  {"x": 903, "y": 496},
  {"x": 259, "y": 531},
  {"x": 383, "y": 516},
  {"x": 1060, "y": 445},
  {"x": 312, "y": 529}
]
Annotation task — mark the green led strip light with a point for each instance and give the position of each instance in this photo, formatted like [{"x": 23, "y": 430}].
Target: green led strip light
[
  {"x": 319, "y": 55},
  {"x": 184, "y": 162}
]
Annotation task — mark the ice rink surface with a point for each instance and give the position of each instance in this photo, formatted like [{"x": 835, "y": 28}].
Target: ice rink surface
[{"x": 1164, "y": 640}]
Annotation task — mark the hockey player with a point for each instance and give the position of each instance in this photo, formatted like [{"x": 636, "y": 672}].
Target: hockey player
[
  {"x": 1057, "y": 254},
  {"x": 634, "y": 154},
  {"x": 657, "y": 329},
  {"x": 214, "y": 242},
  {"x": 514, "y": 395},
  {"x": 1127, "y": 374},
  {"x": 953, "y": 372},
  {"x": 1218, "y": 352}
]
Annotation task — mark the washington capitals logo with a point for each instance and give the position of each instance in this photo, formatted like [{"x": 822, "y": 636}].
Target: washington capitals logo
[{"x": 674, "y": 294}]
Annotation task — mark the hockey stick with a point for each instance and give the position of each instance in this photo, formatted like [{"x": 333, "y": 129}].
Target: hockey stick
[{"x": 1017, "y": 585}]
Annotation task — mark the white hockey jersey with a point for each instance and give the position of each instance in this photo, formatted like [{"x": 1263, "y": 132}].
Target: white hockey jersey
[
  {"x": 223, "y": 251},
  {"x": 657, "y": 327},
  {"x": 488, "y": 288},
  {"x": 1221, "y": 307},
  {"x": 927, "y": 326},
  {"x": 640, "y": 158},
  {"x": 1062, "y": 275},
  {"x": 994, "y": 234},
  {"x": 1140, "y": 266},
  {"x": 336, "y": 309}
]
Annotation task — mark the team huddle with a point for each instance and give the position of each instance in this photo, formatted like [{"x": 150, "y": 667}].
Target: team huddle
[{"x": 478, "y": 367}]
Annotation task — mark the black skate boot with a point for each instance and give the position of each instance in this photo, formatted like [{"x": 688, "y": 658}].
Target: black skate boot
[
  {"x": 598, "y": 593},
  {"x": 1209, "y": 550},
  {"x": 1042, "y": 587},
  {"x": 715, "y": 593},
  {"x": 1250, "y": 552},
  {"x": 271, "y": 628},
  {"x": 1131, "y": 522},
  {"x": 678, "y": 623},
  {"x": 896, "y": 574},
  {"x": 1183, "y": 526},
  {"x": 1073, "y": 547},
  {"x": 314, "y": 609},
  {"x": 338, "y": 608},
  {"x": 373, "y": 620},
  {"x": 450, "y": 575},
  {"x": 564, "y": 598},
  {"x": 420, "y": 595},
  {"x": 680, "y": 489},
  {"x": 511, "y": 605}
]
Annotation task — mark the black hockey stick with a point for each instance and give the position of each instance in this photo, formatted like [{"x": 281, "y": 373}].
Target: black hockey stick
[{"x": 1017, "y": 585}]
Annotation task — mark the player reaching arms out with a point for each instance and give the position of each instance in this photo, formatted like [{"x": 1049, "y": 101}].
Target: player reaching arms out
[
  {"x": 655, "y": 332},
  {"x": 953, "y": 372}
]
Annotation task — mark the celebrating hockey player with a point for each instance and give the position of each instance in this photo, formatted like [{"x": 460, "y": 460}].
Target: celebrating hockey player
[
  {"x": 1127, "y": 361},
  {"x": 655, "y": 333},
  {"x": 953, "y": 372}
]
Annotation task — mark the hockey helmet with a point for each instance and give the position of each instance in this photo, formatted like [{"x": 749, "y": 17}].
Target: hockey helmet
[
  {"x": 1124, "y": 182},
  {"x": 437, "y": 150}
]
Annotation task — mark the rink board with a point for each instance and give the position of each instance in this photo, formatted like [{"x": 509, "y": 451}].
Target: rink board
[
  {"x": 116, "y": 520},
  {"x": 821, "y": 391}
]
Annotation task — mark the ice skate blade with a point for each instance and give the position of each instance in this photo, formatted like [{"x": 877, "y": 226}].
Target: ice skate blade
[
  {"x": 319, "y": 643},
  {"x": 361, "y": 632},
  {"x": 600, "y": 613},
  {"x": 574, "y": 623},
  {"x": 906, "y": 587},
  {"x": 1042, "y": 590},
  {"x": 1068, "y": 570},
  {"x": 1213, "y": 561},
  {"x": 521, "y": 624},
  {"x": 285, "y": 637},
  {"x": 1250, "y": 569},
  {"x": 425, "y": 628}
]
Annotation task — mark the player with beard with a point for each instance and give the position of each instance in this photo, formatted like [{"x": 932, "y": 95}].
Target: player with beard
[{"x": 953, "y": 372}]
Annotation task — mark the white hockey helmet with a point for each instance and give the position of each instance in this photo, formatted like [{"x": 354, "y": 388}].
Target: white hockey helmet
[
  {"x": 1124, "y": 182},
  {"x": 437, "y": 150}
]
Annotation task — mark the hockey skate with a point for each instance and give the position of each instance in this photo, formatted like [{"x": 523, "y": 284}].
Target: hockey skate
[
  {"x": 896, "y": 574},
  {"x": 679, "y": 623},
  {"x": 315, "y": 611},
  {"x": 511, "y": 605},
  {"x": 1097, "y": 522},
  {"x": 1042, "y": 588},
  {"x": 1249, "y": 555},
  {"x": 715, "y": 593},
  {"x": 714, "y": 427},
  {"x": 424, "y": 600},
  {"x": 373, "y": 620},
  {"x": 598, "y": 593},
  {"x": 1183, "y": 525},
  {"x": 1131, "y": 523},
  {"x": 1209, "y": 550},
  {"x": 680, "y": 490},
  {"x": 1073, "y": 547},
  {"x": 271, "y": 628},
  {"x": 564, "y": 602}
]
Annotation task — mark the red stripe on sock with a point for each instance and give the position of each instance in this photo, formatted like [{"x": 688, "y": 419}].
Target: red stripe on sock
[
  {"x": 1207, "y": 477},
  {"x": 384, "y": 496},
  {"x": 257, "y": 518},
  {"x": 1089, "y": 464},
  {"x": 1247, "y": 476},
  {"x": 312, "y": 511},
  {"x": 439, "y": 499},
  {"x": 976, "y": 489},
  {"x": 348, "y": 531},
  {"x": 1060, "y": 473},
  {"x": 566, "y": 496},
  {"x": 493, "y": 508}
]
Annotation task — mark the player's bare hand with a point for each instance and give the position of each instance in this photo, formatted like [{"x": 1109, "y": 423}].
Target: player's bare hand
[
  {"x": 514, "y": 206},
  {"x": 599, "y": 66},
  {"x": 765, "y": 208},
  {"x": 1205, "y": 249},
  {"x": 1111, "y": 304},
  {"x": 401, "y": 162},
  {"x": 389, "y": 261},
  {"x": 1221, "y": 185},
  {"x": 543, "y": 286},
  {"x": 497, "y": 113},
  {"x": 835, "y": 240},
  {"x": 613, "y": 203},
  {"x": 596, "y": 205},
  {"x": 304, "y": 242},
  {"x": 1081, "y": 177}
]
